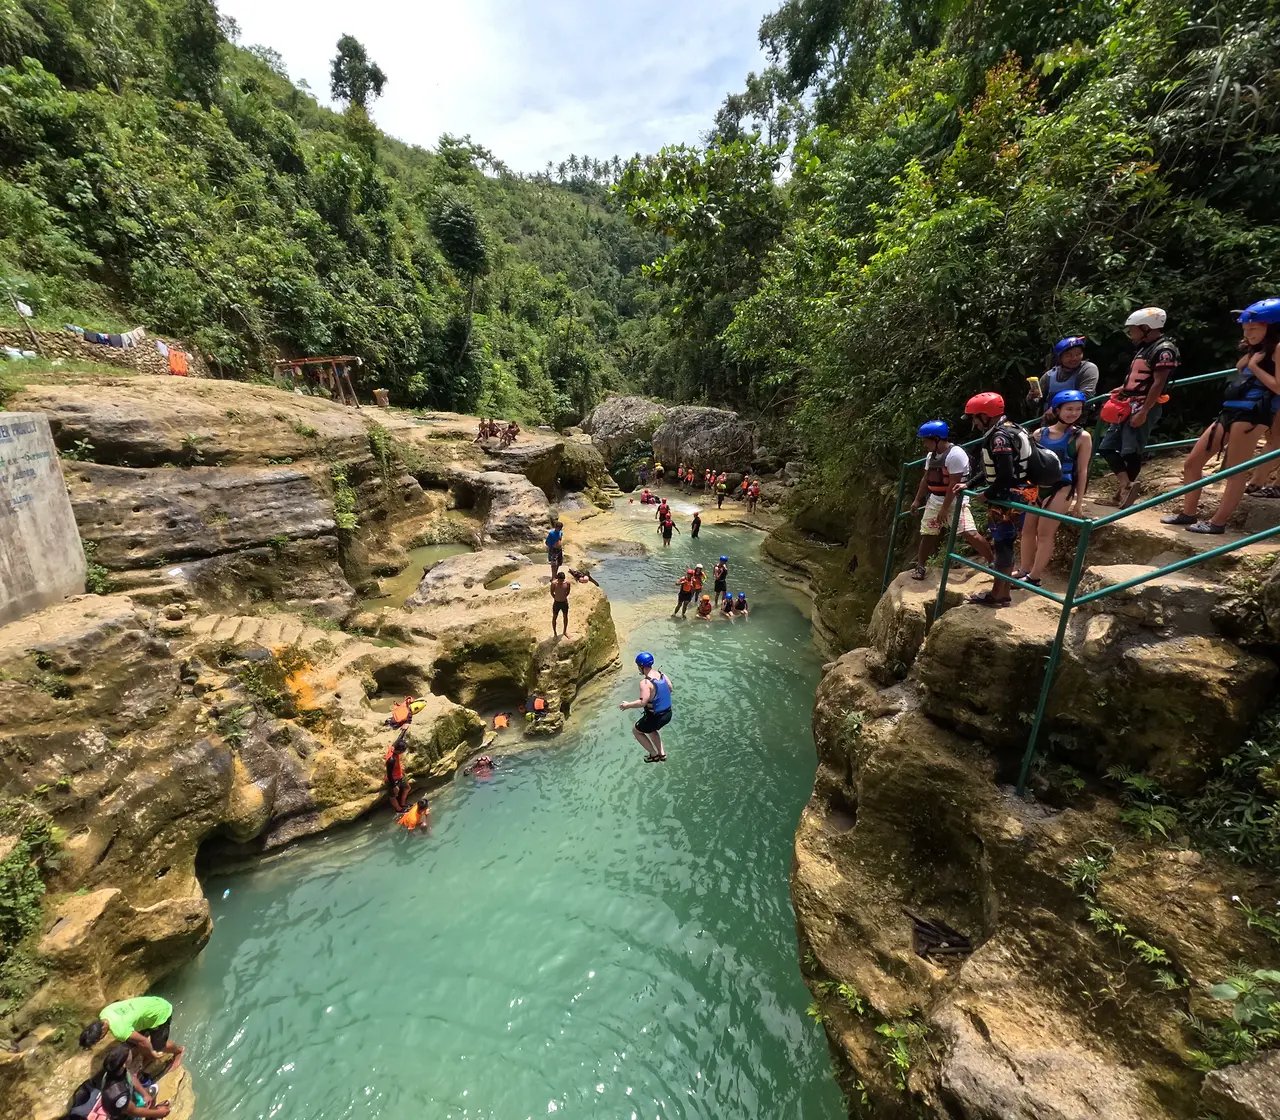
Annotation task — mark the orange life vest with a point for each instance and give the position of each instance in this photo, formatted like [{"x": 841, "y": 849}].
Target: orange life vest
[
  {"x": 934, "y": 466},
  {"x": 402, "y": 712},
  {"x": 501, "y": 720},
  {"x": 686, "y": 584},
  {"x": 412, "y": 818},
  {"x": 397, "y": 770},
  {"x": 698, "y": 579}
]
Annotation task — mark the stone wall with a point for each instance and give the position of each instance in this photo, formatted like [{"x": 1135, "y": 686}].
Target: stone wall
[
  {"x": 41, "y": 559},
  {"x": 143, "y": 358}
]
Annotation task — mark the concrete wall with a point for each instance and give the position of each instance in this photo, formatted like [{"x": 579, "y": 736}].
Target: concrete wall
[{"x": 41, "y": 558}]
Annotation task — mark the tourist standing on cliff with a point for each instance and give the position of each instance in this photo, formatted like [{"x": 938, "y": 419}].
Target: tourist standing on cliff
[
  {"x": 1003, "y": 470},
  {"x": 655, "y": 699},
  {"x": 560, "y": 588},
  {"x": 555, "y": 547},
  {"x": 143, "y": 1022},
  {"x": 1070, "y": 371},
  {"x": 1134, "y": 407},
  {"x": 946, "y": 467},
  {"x": 1246, "y": 412}
]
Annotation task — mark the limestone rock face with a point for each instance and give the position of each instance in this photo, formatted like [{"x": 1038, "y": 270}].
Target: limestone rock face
[
  {"x": 539, "y": 462},
  {"x": 582, "y": 466},
  {"x": 910, "y": 812},
  {"x": 1249, "y": 1091},
  {"x": 512, "y": 508},
  {"x": 705, "y": 437},
  {"x": 618, "y": 422}
]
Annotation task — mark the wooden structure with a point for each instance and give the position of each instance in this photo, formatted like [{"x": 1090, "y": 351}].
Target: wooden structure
[{"x": 332, "y": 374}]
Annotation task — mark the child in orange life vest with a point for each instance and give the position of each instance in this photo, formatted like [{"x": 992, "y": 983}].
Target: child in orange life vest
[
  {"x": 417, "y": 816},
  {"x": 699, "y": 578},
  {"x": 686, "y": 594},
  {"x": 704, "y": 607},
  {"x": 396, "y": 782}
]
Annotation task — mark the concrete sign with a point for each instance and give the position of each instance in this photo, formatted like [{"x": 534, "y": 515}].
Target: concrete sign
[{"x": 41, "y": 558}]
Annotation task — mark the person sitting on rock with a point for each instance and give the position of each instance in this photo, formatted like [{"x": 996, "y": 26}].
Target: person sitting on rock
[
  {"x": 143, "y": 1022},
  {"x": 123, "y": 1092},
  {"x": 482, "y": 432},
  {"x": 726, "y": 605},
  {"x": 704, "y": 607},
  {"x": 582, "y": 577},
  {"x": 740, "y": 604},
  {"x": 397, "y": 784},
  {"x": 560, "y": 588}
]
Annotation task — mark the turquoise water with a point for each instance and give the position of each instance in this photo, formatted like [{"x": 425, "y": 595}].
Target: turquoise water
[{"x": 580, "y": 935}]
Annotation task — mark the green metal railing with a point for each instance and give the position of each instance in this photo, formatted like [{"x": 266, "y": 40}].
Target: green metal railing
[
  {"x": 1069, "y": 600},
  {"x": 899, "y": 514}
]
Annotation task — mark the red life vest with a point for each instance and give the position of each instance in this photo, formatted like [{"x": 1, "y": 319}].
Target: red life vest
[
  {"x": 934, "y": 473},
  {"x": 397, "y": 770}
]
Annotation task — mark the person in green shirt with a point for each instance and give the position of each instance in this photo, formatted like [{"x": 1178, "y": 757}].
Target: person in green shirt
[{"x": 143, "y": 1022}]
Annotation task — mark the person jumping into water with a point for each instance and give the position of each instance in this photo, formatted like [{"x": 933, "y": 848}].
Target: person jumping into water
[{"x": 655, "y": 699}]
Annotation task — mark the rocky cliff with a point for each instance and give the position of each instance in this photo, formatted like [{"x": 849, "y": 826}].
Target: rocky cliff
[
  {"x": 226, "y": 693},
  {"x": 973, "y": 954}
]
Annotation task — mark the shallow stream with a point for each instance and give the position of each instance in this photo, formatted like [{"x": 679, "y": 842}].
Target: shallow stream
[{"x": 582, "y": 934}]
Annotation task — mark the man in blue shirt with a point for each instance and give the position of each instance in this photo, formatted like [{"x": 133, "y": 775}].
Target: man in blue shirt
[{"x": 555, "y": 547}]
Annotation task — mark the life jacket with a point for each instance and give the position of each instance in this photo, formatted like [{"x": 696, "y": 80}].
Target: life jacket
[
  {"x": 686, "y": 584},
  {"x": 417, "y": 706},
  {"x": 1245, "y": 392},
  {"x": 537, "y": 704},
  {"x": 740, "y": 605},
  {"x": 721, "y": 571},
  {"x": 412, "y": 818},
  {"x": 397, "y": 769},
  {"x": 755, "y": 489},
  {"x": 1023, "y": 453},
  {"x": 704, "y": 607},
  {"x": 661, "y": 699},
  {"x": 934, "y": 475},
  {"x": 1064, "y": 448},
  {"x": 501, "y": 720},
  {"x": 401, "y": 712},
  {"x": 699, "y": 578}
]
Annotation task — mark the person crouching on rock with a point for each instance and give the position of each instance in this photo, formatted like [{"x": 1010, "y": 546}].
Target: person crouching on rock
[
  {"x": 704, "y": 607},
  {"x": 123, "y": 1093},
  {"x": 560, "y": 588},
  {"x": 655, "y": 699},
  {"x": 143, "y": 1022},
  {"x": 397, "y": 785}
]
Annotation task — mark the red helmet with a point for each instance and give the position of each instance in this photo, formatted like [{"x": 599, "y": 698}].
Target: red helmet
[{"x": 985, "y": 404}]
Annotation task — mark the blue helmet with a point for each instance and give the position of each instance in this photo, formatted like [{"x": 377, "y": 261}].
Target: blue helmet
[
  {"x": 742, "y": 594},
  {"x": 1264, "y": 311},
  {"x": 724, "y": 559},
  {"x": 1067, "y": 343},
  {"x": 1067, "y": 396},
  {"x": 934, "y": 429},
  {"x": 644, "y": 660}
]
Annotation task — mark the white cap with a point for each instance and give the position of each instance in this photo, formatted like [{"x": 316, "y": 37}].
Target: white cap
[{"x": 1147, "y": 317}]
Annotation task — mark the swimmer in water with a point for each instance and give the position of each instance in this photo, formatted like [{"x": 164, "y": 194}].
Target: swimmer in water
[
  {"x": 655, "y": 699},
  {"x": 416, "y": 815},
  {"x": 482, "y": 766}
]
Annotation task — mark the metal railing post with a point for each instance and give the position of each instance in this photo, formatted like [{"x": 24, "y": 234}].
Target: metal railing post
[
  {"x": 946, "y": 558},
  {"x": 1051, "y": 668},
  {"x": 893, "y": 528}
]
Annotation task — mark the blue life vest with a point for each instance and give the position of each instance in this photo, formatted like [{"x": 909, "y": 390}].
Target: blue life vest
[
  {"x": 661, "y": 700},
  {"x": 1246, "y": 392},
  {"x": 1063, "y": 449},
  {"x": 1060, "y": 384}
]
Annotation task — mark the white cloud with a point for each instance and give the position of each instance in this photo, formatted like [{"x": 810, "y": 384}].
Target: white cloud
[{"x": 531, "y": 81}]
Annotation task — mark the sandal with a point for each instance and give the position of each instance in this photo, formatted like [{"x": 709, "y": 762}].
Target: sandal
[
  {"x": 1128, "y": 495},
  {"x": 985, "y": 599},
  {"x": 917, "y": 572},
  {"x": 1267, "y": 492},
  {"x": 1026, "y": 577},
  {"x": 1206, "y": 527},
  {"x": 1180, "y": 519}
]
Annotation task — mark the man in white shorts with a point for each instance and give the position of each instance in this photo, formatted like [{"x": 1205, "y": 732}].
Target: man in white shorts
[{"x": 946, "y": 468}]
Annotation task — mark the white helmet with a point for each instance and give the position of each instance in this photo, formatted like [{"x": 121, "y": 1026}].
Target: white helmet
[{"x": 1153, "y": 317}]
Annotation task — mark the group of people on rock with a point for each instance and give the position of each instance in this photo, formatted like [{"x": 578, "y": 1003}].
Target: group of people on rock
[
  {"x": 493, "y": 429},
  {"x": 140, "y": 1053},
  {"x": 1049, "y": 466},
  {"x": 713, "y": 483}
]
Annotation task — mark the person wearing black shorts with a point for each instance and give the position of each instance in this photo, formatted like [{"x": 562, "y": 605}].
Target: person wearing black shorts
[
  {"x": 721, "y": 575},
  {"x": 560, "y": 588},
  {"x": 655, "y": 699}
]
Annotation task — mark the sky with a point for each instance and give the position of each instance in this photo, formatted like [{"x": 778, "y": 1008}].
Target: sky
[{"x": 532, "y": 80}]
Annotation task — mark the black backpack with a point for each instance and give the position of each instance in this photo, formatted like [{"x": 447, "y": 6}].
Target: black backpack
[{"x": 1044, "y": 468}]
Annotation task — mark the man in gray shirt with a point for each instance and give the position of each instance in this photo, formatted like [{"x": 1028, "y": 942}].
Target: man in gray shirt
[{"x": 1071, "y": 372}]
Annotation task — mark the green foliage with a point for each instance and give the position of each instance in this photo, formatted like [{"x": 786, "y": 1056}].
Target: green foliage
[
  {"x": 1254, "y": 1023},
  {"x": 232, "y": 727},
  {"x": 97, "y": 578},
  {"x": 78, "y": 452},
  {"x": 152, "y": 171},
  {"x": 23, "y": 871},
  {"x": 344, "y": 501},
  {"x": 1260, "y": 919},
  {"x": 383, "y": 449},
  {"x": 897, "y": 1038}
]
